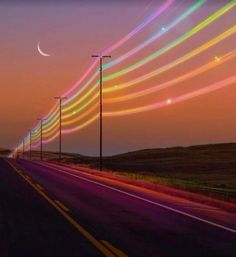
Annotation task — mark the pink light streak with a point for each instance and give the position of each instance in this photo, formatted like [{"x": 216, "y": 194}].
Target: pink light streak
[
  {"x": 221, "y": 84},
  {"x": 148, "y": 20}
]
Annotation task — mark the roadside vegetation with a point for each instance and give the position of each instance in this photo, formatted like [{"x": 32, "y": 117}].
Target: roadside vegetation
[{"x": 206, "y": 169}]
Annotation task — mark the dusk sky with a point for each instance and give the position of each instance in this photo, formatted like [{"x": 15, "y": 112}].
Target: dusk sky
[{"x": 187, "y": 112}]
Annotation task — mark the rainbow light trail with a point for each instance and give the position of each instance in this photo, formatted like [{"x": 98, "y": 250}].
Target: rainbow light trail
[
  {"x": 173, "y": 64},
  {"x": 157, "y": 35},
  {"x": 78, "y": 107},
  {"x": 118, "y": 44},
  {"x": 178, "y": 41},
  {"x": 51, "y": 115},
  {"x": 219, "y": 85},
  {"x": 213, "y": 87},
  {"x": 191, "y": 74},
  {"x": 140, "y": 47},
  {"x": 201, "y": 69},
  {"x": 158, "y": 53}
]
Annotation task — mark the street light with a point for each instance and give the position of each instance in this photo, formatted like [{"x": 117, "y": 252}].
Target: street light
[
  {"x": 60, "y": 98},
  {"x": 41, "y": 138},
  {"x": 101, "y": 57},
  {"x": 30, "y": 136},
  {"x": 23, "y": 148}
]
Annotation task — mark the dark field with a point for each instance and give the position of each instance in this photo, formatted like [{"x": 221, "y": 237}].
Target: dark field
[
  {"x": 208, "y": 169},
  {"x": 4, "y": 152}
]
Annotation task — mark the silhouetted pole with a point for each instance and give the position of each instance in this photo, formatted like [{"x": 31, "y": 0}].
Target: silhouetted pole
[
  {"x": 60, "y": 98},
  {"x": 23, "y": 148},
  {"x": 41, "y": 138},
  {"x": 101, "y": 57},
  {"x": 30, "y": 143}
]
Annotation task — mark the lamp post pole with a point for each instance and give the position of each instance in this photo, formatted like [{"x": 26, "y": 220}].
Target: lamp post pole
[
  {"x": 30, "y": 143},
  {"x": 23, "y": 148},
  {"x": 101, "y": 57},
  {"x": 41, "y": 138},
  {"x": 60, "y": 99}
]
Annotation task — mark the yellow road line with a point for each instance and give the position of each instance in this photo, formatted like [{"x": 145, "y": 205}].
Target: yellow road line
[
  {"x": 118, "y": 252},
  {"x": 62, "y": 206},
  {"x": 105, "y": 251},
  {"x": 39, "y": 186}
]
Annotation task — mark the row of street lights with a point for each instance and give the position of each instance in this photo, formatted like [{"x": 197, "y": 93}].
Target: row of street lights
[{"x": 61, "y": 98}]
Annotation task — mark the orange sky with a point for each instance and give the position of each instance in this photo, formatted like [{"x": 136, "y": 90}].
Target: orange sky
[{"x": 71, "y": 33}]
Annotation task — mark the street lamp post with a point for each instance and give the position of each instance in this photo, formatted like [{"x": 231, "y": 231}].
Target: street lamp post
[
  {"x": 41, "y": 138},
  {"x": 101, "y": 57},
  {"x": 23, "y": 149},
  {"x": 30, "y": 143},
  {"x": 60, "y": 98}
]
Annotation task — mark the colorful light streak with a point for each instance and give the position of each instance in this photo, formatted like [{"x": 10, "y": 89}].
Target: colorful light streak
[
  {"x": 188, "y": 75},
  {"x": 50, "y": 124},
  {"x": 175, "y": 43},
  {"x": 227, "y": 57},
  {"x": 87, "y": 103},
  {"x": 219, "y": 85},
  {"x": 173, "y": 64},
  {"x": 80, "y": 117},
  {"x": 215, "y": 40},
  {"x": 157, "y": 35},
  {"x": 132, "y": 52},
  {"x": 51, "y": 115},
  {"x": 208, "y": 89},
  {"x": 165, "y": 68},
  {"x": 85, "y": 124},
  {"x": 50, "y": 132},
  {"x": 118, "y": 44},
  {"x": 51, "y": 139},
  {"x": 170, "y": 83},
  {"x": 158, "y": 53}
]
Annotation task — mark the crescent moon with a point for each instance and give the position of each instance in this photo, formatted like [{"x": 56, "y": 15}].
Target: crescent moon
[{"x": 41, "y": 52}]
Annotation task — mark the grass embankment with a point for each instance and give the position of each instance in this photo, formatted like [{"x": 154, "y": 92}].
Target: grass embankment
[{"x": 206, "y": 169}]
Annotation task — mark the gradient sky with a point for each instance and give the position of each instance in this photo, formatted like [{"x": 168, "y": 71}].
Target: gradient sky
[{"x": 73, "y": 30}]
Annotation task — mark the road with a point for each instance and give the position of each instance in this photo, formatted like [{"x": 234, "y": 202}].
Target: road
[{"x": 94, "y": 216}]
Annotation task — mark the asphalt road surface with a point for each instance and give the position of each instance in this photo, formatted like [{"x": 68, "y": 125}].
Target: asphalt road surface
[{"x": 48, "y": 210}]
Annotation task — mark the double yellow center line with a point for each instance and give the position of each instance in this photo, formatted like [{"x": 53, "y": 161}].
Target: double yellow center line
[{"x": 104, "y": 247}]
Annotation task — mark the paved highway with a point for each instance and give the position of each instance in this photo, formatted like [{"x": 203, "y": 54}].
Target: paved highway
[{"x": 101, "y": 217}]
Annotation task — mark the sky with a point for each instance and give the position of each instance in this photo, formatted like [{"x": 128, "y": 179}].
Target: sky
[{"x": 71, "y": 31}]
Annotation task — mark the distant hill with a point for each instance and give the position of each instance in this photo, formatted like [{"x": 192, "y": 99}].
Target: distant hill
[
  {"x": 199, "y": 157},
  {"x": 4, "y": 152},
  {"x": 209, "y": 169}
]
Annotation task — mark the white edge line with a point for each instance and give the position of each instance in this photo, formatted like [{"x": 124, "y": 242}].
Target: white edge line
[{"x": 145, "y": 200}]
